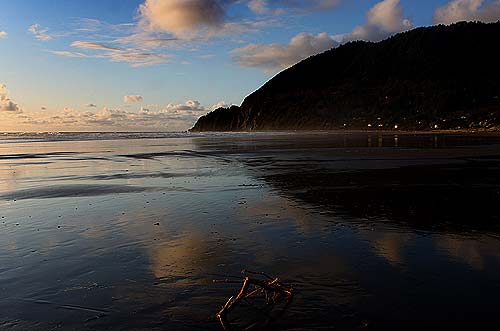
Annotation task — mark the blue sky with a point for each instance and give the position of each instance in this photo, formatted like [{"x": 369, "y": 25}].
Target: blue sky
[{"x": 68, "y": 65}]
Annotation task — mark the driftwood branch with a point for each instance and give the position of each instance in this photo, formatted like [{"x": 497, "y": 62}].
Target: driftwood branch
[{"x": 271, "y": 287}]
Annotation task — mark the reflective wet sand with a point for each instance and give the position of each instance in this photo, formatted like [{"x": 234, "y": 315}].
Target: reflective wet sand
[{"x": 373, "y": 231}]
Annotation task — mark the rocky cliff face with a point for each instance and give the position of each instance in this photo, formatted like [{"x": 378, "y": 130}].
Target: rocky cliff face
[{"x": 433, "y": 77}]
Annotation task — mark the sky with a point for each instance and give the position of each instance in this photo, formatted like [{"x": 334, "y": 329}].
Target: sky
[{"x": 158, "y": 65}]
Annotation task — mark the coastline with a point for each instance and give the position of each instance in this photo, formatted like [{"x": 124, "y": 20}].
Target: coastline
[{"x": 494, "y": 132}]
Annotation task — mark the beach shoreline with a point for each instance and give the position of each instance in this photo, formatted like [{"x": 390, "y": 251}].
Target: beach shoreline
[{"x": 96, "y": 231}]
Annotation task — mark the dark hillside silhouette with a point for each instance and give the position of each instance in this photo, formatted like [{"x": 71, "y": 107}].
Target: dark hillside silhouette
[{"x": 432, "y": 77}]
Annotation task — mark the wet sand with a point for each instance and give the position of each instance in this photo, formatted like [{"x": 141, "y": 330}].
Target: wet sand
[{"x": 374, "y": 230}]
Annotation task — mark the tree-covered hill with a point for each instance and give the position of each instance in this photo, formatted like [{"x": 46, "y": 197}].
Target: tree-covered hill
[{"x": 432, "y": 77}]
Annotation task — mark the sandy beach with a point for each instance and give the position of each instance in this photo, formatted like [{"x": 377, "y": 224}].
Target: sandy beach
[{"x": 374, "y": 230}]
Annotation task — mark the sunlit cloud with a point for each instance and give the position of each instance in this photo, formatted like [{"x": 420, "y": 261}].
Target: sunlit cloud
[
  {"x": 211, "y": 18},
  {"x": 148, "y": 41},
  {"x": 382, "y": 20},
  {"x": 132, "y": 98},
  {"x": 468, "y": 10},
  {"x": 92, "y": 45},
  {"x": 93, "y": 25},
  {"x": 274, "y": 57},
  {"x": 171, "y": 25},
  {"x": 190, "y": 105},
  {"x": 69, "y": 54},
  {"x": 182, "y": 18},
  {"x": 3, "y": 34},
  {"x": 220, "y": 104},
  {"x": 176, "y": 117},
  {"x": 40, "y": 33},
  {"x": 6, "y": 104},
  {"x": 135, "y": 57},
  {"x": 121, "y": 34}
]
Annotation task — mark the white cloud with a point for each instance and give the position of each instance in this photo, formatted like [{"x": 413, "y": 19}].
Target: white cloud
[
  {"x": 40, "y": 33},
  {"x": 168, "y": 25},
  {"x": 274, "y": 57},
  {"x": 383, "y": 20},
  {"x": 146, "y": 40},
  {"x": 69, "y": 54},
  {"x": 132, "y": 98},
  {"x": 3, "y": 34},
  {"x": 468, "y": 10},
  {"x": 188, "y": 105},
  {"x": 6, "y": 104},
  {"x": 93, "y": 45},
  {"x": 135, "y": 57},
  {"x": 220, "y": 104},
  {"x": 171, "y": 117}
]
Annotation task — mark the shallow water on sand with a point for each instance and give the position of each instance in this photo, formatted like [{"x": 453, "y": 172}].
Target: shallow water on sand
[{"x": 373, "y": 231}]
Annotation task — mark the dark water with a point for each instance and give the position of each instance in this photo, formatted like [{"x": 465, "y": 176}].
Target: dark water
[{"x": 376, "y": 232}]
